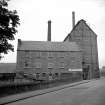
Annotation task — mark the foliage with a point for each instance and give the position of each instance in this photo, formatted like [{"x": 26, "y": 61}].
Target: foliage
[{"x": 9, "y": 20}]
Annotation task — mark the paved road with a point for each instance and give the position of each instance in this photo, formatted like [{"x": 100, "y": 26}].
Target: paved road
[{"x": 92, "y": 93}]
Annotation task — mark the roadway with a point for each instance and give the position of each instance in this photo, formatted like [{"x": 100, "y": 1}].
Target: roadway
[{"x": 91, "y": 93}]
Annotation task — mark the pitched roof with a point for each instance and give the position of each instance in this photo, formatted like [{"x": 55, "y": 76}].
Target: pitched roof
[
  {"x": 48, "y": 46},
  {"x": 77, "y": 25}
]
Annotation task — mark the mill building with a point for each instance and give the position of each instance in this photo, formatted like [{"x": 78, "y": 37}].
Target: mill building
[{"x": 48, "y": 60}]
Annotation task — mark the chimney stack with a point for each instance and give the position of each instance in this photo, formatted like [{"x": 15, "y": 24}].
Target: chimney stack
[
  {"x": 49, "y": 30},
  {"x": 19, "y": 42},
  {"x": 73, "y": 19}
]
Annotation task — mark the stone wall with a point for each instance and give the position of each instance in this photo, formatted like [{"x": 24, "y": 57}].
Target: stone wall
[
  {"x": 87, "y": 40},
  {"x": 44, "y": 62}
]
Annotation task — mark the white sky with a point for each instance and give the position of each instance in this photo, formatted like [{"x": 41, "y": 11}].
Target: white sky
[{"x": 34, "y": 15}]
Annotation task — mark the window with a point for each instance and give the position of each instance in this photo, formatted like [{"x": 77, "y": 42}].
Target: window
[
  {"x": 50, "y": 74},
  {"x": 62, "y": 65},
  {"x": 72, "y": 58},
  {"x": 26, "y": 63},
  {"x": 50, "y": 65},
  {"x": 38, "y": 54},
  {"x": 56, "y": 74},
  {"x": 61, "y": 54},
  {"x": 27, "y": 54},
  {"x": 37, "y": 75},
  {"x": 43, "y": 74},
  {"x": 38, "y": 65},
  {"x": 50, "y": 54}
]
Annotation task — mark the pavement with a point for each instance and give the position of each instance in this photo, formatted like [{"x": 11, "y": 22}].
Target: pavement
[{"x": 23, "y": 96}]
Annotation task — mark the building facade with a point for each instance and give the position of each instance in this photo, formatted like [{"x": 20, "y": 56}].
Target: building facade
[
  {"x": 48, "y": 60},
  {"x": 84, "y": 36}
]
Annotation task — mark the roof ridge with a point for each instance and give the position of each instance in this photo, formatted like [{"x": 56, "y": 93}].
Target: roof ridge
[
  {"x": 82, "y": 20},
  {"x": 49, "y": 46}
]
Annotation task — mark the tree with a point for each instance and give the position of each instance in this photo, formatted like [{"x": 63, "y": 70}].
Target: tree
[{"x": 9, "y": 20}]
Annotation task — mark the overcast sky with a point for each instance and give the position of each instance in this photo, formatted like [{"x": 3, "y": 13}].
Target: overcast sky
[{"x": 34, "y": 15}]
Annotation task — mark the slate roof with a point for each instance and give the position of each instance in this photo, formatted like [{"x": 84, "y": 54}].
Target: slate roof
[{"x": 48, "y": 46}]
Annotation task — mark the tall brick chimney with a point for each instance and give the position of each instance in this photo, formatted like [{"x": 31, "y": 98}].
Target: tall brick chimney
[
  {"x": 49, "y": 31},
  {"x": 73, "y": 19}
]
